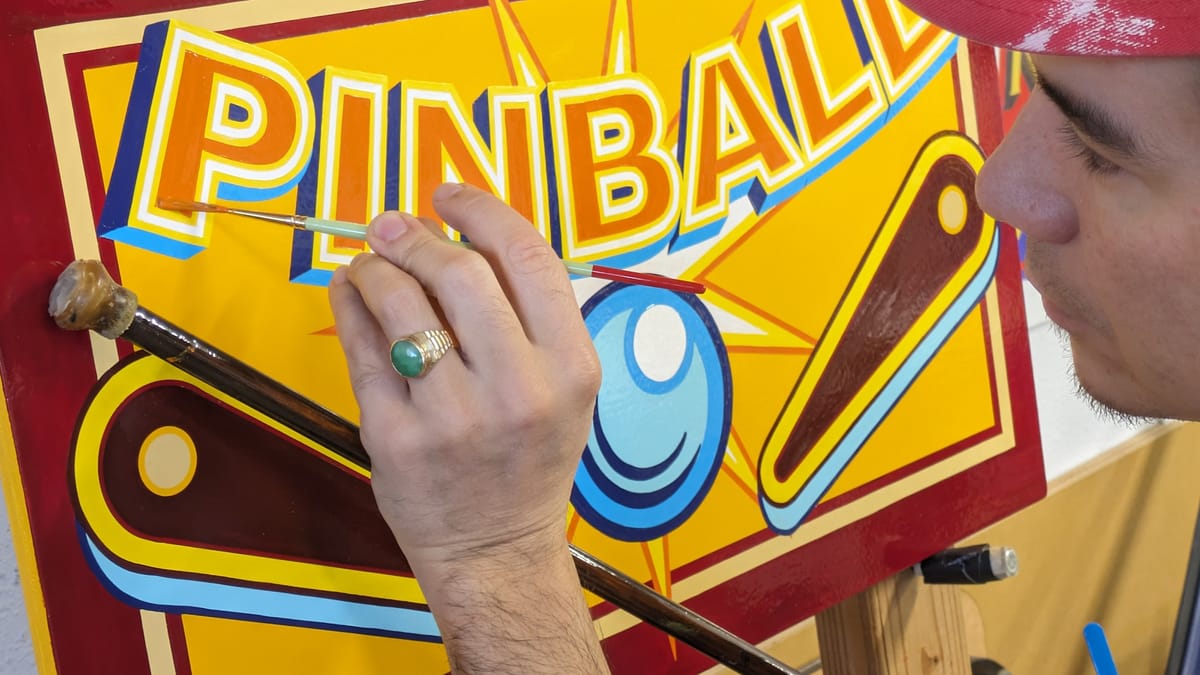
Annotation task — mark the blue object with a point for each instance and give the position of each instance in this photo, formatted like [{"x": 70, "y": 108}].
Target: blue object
[
  {"x": 1097, "y": 644},
  {"x": 657, "y": 442},
  {"x": 149, "y": 590}
]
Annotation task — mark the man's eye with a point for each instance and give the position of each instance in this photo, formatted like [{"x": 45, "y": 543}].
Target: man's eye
[{"x": 1092, "y": 160}]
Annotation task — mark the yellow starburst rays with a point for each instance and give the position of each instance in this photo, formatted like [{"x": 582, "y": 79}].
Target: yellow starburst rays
[
  {"x": 739, "y": 465},
  {"x": 764, "y": 332},
  {"x": 524, "y": 67},
  {"x": 658, "y": 559},
  {"x": 619, "y": 56},
  {"x": 767, "y": 333}
]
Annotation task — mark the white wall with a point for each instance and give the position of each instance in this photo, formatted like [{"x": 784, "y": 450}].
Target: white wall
[{"x": 16, "y": 652}]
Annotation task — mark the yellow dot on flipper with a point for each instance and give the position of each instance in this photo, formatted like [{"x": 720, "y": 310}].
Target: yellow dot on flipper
[
  {"x": 952, "y": 209},
  {"x": 167, "y": 461}
]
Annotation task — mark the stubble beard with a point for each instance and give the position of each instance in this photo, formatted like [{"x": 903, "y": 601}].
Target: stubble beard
[{"x": 1105, "y": 411}]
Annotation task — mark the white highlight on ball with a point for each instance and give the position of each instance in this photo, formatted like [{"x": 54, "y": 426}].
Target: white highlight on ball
[{"x": 659, "y": 342}]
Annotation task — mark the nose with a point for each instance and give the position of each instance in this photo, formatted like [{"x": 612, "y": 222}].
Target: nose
[{"x": 1023, "y": 182}]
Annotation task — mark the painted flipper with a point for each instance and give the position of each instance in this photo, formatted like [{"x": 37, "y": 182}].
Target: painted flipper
[
  {"x": 188, "y": 501},
  {"x": 929, "y": 264}
]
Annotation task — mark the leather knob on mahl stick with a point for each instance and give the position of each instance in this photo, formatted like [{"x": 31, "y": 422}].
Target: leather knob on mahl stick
[{"x": 85, "y": 297}]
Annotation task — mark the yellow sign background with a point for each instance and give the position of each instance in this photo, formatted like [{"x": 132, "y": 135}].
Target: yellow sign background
[{"x": 779, "y": 276}]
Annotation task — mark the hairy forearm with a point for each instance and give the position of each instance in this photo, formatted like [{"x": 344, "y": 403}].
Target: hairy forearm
[{"x": 520, "y": 612}]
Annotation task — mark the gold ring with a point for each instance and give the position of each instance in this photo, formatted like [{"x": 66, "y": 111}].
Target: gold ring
[{"x": 413, "y": 355}]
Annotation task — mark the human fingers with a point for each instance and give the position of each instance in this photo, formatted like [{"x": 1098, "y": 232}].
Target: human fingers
[
  {"x": 435, "y": 227},
  {"x": 533, "y": 274},
  {"x": 400, "y": 306},
  {"x": 375, "y": 384},
  {"x": 463, "y": 282}
]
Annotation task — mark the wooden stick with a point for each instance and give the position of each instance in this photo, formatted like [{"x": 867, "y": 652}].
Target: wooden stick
[
  {"x": 85, "y": 297},
  {"x": 902, "y": 626}
]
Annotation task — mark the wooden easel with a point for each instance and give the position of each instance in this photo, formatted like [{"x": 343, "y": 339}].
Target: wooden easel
[{"x": 902, "y": 626}]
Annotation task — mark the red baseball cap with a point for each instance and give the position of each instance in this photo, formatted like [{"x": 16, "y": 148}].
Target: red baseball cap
[{"x": 1073, "y": 27}]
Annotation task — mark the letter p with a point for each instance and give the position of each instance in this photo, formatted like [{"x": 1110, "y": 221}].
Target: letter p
[{"x": 210, "y": 118}]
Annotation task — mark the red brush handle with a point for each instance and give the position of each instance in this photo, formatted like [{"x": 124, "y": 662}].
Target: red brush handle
[{"x": 643, "y": 279}]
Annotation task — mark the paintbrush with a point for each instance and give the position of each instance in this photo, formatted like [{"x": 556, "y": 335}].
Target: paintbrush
[{"x": 342, "y": 228}]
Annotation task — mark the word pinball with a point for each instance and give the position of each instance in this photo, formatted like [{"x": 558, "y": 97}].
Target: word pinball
[{"x": 602, "y": 166}]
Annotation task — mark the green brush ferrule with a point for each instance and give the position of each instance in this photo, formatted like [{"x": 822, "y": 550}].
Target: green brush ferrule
[{"x": 337, "y": 228}]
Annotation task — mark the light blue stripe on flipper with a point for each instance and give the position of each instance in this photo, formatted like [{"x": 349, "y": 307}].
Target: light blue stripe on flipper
[{"x": 256, "y": 604}]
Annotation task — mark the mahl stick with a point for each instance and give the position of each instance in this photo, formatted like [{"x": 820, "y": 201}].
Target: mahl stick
[{"x": 85, "y": 297}]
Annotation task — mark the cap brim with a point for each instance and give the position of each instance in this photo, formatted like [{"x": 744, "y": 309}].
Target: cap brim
[{"x": 1073, "y": 27}]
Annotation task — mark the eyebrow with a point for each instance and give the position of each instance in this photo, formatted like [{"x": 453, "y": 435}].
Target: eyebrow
[{"x": 1095, "y": 122}]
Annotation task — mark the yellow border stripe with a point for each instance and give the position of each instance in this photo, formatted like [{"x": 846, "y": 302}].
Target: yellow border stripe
[
  {"x": 158, "y": 643},
  {"x": 966, "y": 91}
]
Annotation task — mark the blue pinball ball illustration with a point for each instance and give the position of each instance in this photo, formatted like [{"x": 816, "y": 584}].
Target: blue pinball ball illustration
[{"x": 662, "y": 416}]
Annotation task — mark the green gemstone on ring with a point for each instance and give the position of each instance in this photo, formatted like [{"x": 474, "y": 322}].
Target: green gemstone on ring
[{"x": 407, "y": 359}]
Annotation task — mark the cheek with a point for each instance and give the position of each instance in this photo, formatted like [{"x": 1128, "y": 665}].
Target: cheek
[
  {"x": 1137, "y": 249},
  {"x": 1149, "y": 289}
]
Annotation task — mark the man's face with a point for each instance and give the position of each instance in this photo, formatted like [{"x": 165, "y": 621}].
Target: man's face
[{"x": 1102, "y": 173}]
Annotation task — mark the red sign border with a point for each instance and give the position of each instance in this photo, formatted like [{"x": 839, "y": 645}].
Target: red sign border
[{"x": 48, "y": 373}]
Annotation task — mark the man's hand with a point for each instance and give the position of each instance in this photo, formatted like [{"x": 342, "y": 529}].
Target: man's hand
[{"x": 472, "y": 463}]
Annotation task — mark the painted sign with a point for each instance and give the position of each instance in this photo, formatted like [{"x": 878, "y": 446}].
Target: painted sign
[
  {"x": 1017, "y": 82},
  {"x": 852, "y": 393}
]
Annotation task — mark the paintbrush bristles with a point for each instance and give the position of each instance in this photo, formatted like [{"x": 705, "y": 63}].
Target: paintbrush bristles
[
  {"x": 181, "y": 205},
  {"x": 277, "y": 218}
]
